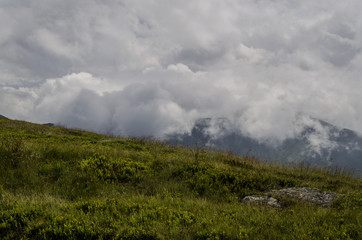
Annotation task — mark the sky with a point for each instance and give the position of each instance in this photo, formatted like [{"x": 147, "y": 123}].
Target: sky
[{"x": 151, "y": 68}]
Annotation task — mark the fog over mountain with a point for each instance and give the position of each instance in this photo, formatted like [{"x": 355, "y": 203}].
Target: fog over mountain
[
  {"x": 318, "y": 143},
  {"x": 153, "y": 68}
]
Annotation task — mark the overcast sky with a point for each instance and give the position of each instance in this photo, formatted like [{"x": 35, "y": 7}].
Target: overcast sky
[{"x": 151, "y": 67}]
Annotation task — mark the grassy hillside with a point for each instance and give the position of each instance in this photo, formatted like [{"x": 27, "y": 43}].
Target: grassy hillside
[{"x": 58, "y": 183}]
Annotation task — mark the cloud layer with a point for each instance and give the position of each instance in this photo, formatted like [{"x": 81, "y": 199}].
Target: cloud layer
[{"x": 145, "y": 68}]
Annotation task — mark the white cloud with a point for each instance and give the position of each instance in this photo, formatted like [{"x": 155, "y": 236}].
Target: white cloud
[{"x": 179, "y": 68}]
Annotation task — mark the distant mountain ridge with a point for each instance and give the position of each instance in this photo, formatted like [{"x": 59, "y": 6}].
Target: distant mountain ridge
[
  {"x": 319, "y": 143},
  {"x": 3, "y": 117}
]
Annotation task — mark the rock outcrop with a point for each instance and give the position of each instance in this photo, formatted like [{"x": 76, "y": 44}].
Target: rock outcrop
[
  {"x": 312, "y": 195},
  {"x": 262, "y": 200}
]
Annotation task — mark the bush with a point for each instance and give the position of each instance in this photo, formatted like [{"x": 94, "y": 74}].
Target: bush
[{"x": 115, "y": 170}]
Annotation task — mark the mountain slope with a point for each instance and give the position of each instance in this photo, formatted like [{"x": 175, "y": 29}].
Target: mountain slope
[
  {"x": 319, "y": 144},
  {"x": 58, "y": 183}
]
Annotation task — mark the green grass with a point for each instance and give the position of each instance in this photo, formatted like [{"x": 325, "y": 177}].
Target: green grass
[{"x": 58, "y": 183}]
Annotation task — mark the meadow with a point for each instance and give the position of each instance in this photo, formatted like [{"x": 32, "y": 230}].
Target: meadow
[{"x": 60, "y": 183}]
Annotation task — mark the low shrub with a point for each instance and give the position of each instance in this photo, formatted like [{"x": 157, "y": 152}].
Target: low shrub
[
  {"x": 115, "y": 170},
  {"x": 350, "y": 201}
]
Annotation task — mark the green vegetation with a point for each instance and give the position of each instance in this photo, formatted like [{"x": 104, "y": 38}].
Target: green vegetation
[{"x": 58, "y": 183}]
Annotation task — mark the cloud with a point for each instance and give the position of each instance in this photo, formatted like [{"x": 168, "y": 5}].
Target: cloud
[{"x": 153, "y": 67}]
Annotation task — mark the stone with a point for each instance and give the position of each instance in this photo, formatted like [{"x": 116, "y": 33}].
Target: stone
[{"x": 262, "y": 200}]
